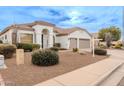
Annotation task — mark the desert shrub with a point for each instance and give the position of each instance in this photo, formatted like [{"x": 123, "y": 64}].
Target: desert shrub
[
  {"x": 35, "y": 46},
  {"x": 1, "y": 41},
  {"x": 117, "y": 46},
  {"x": 28, "y": 47},
  {"x": 62, "y": 49},
  {"x": 7, "y": 50},
  {"x": 120, "y": 43},
  {"x": 57, "y": 45},
  {"x": 45, "y": 58},
  {"x": 99, "y": 51},
  {"x": 54, "y": 49},
  {"x": 75, "y": 49},
  {"x": 102, "y": 46}
]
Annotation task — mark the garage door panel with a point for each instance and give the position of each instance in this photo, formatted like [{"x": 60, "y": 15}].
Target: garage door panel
[
  {"x": 84, "y": 43},
  {"x": 73, "y": 43}
]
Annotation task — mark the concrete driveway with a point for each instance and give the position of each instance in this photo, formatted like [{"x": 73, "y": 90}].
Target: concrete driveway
[
  {"x": 120, "y": 55},
  {"x": 116, "y": 53}
]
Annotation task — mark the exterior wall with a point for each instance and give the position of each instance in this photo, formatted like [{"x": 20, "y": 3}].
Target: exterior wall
[
  {"x": 80, "y": 34},
  {"x": 38, "y": 34},
  {"x": 9, "y": 37},
  {"x": 63, "y": 40}
]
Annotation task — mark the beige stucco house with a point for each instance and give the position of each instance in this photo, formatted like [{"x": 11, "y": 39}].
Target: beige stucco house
[{"x": 46, "y": 34}]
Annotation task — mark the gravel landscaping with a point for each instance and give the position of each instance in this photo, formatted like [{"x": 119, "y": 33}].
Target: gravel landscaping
[{"x": 29, "y": 74}]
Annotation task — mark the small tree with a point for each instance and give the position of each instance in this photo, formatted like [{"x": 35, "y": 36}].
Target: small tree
[
  {"x": 115, "y": 33},
  {"x": 108, "y": 39}
]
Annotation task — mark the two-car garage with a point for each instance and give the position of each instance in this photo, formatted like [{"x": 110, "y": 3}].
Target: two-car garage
[
  {"x": 74, "y": 38},
  {"x": 79, "y": 43},
  {"x": 84, "y": 43}
]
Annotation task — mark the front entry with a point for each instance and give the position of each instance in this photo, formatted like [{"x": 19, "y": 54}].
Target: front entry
[{"x": 44, "y": 38}]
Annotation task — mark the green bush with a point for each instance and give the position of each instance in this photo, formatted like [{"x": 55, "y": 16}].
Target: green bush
[
  {"x": 1, "y": 41},
  {"x": 45, "y": 58},
  {"x": 28, "y": 47},
  {"x": 7, "y": 50},
  {"x": 102, "y": 46},
  {"x": 75, "y": 49},
  {"x": 57, "y": 45},
  {"x": 99, "y": 51},
  {"x": 54, "y": 49},
  {"x": 35, "y": 46}
]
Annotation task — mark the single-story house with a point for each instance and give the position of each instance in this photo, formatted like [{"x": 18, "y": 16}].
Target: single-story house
[{"x": 46, "y": 34}]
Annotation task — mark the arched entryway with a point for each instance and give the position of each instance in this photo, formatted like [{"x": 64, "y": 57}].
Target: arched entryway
[{"x": 44, "y": 38}]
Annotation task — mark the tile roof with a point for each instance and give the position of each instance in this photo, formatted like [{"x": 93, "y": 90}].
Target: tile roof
[
  {"x": 39, "y": 23},
  {"x": 67, "y": 31},
  {"x": 20, "y": 27},
  {"x": 27, "y": 26}
]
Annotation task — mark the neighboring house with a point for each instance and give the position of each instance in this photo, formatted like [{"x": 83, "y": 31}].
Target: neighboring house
[{"x": 46, "y": 34}]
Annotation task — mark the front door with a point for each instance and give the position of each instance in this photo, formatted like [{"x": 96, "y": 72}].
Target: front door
[{"x": 44, "y": 41}]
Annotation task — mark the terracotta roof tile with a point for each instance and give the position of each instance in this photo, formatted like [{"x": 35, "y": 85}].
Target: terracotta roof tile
[
  {"x": 67, "y": 31},
  {"x": 18, "y": 27},
  {"x": 27, "y": 26},
  {"x": 39, "y": 23}
]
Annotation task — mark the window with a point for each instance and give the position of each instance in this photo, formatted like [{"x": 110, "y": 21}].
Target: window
[{"x": 26, "y": 38}]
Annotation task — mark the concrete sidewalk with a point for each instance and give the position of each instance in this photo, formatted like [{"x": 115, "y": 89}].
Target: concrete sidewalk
[{"x": 90, "y": 75}]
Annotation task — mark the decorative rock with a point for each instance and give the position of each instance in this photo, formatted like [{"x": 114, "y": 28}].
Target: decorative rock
[
  {"x": 19, "y": 56},
  {"x": 2, "y": 65}
]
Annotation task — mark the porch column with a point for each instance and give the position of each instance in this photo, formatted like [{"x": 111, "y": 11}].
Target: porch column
[
  {"x": 34, "y": 37},
  {"x": 50, "y": 40},
  {"x": 38, "y": 39},
  {"x": 77, "y": 42},
  {"x": 18, "y": 37},
  {"x": 91, "y": 44},
  {"x": 68, "y": 43}
]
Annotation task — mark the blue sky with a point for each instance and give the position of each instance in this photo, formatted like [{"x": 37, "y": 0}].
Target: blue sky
[{"x": 90, "y": 18}]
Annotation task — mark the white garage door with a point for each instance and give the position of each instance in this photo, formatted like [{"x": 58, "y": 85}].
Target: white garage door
[
  {"x": 84, "y": 43},
  {"x": 73, "y": 43}
]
